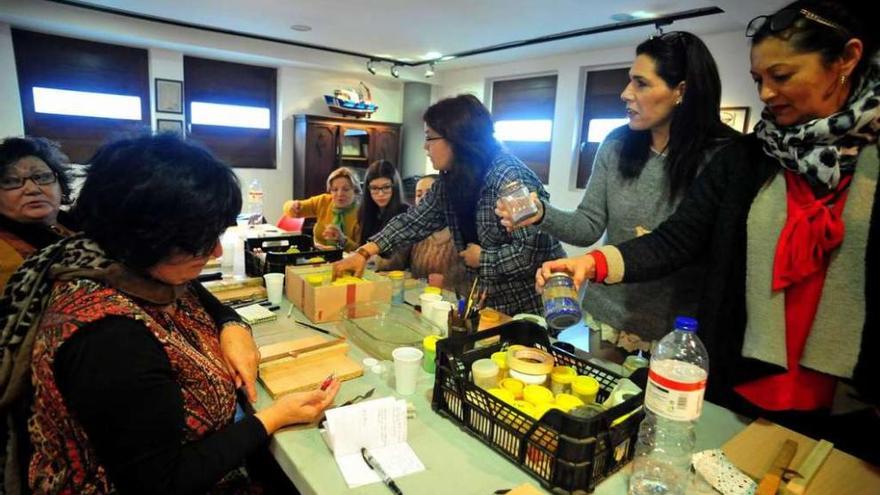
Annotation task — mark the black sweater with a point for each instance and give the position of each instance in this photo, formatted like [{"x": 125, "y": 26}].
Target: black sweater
[
  {"x": 711, "y": 221},
  {"x": 117, "y": 381}
]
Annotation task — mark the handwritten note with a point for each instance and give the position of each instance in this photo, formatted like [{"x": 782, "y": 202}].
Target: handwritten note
[{"x": 380, "y": 426}]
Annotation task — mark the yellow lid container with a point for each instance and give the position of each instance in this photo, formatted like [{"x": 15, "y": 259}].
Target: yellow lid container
[
  {"x": 315, "y": 280},
  {"x": 537, "y": 394},
  {"x": 563, "y": 374},
  {"x": 515, "y": 386},
  {"x": 433, "y": 290},
  {"x": 541, "y": 409},
  {"x": 430, "y": 342},
  {"x": 585, "y": 388},
  {"x": 396, "y": 275},
  {"x": 500, "y": 359},
  {"x": 503, "y": 394},
  {"x": 567, "y": 402}
]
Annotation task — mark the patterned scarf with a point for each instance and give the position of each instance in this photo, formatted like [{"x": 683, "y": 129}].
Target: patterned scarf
[
  {"x": 21, "y": 306},
  {"x": 822, "y": 150}
]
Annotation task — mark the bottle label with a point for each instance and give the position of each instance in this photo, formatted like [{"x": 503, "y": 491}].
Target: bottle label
[{"x": 675, "y": 399}]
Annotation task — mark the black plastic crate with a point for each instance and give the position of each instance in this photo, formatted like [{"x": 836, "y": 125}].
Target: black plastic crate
[
  {"x": 569, "y": 455},
  {"x": 277, "y": 259}
]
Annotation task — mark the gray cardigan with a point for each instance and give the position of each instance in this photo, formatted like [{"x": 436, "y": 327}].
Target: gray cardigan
[{"x": 622, "y": 209}]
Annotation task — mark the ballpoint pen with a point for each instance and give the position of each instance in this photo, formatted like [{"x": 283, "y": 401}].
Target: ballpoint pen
[{"x": 378, "y": 469}]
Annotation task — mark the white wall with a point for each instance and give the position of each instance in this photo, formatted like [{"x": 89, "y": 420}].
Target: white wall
[
  {"x": 300, "y": 90},
  {"x": 729, "y": 49}
]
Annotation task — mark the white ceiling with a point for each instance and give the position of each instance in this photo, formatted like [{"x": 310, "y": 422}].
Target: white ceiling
[{"x": 410, "y": 29}]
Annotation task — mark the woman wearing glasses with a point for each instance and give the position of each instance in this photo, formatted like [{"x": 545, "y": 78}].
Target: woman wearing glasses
[
  {"x": 336, "y": 211},
  {"x": 789, "y": 218},
  {"x": 383, "y": 201},
  {"x": 639, "y": 176},
  {"x": 33, "y": 185},
  {"x": 459, "y": 139}
]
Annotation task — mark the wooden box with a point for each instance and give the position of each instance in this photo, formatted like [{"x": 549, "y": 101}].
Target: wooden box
[{"x": 325, "y": 303}]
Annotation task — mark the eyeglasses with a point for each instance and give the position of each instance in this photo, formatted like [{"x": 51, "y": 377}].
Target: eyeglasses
[
  {"x": 11, "y": 182},
  {"x": 784, "y": 19},
  {"x": 428, "y": 139},
  {"x": 381, "y": 189}
]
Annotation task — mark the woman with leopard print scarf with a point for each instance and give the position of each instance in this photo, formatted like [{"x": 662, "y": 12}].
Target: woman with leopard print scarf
[
  {"x": 789, "y": 217},
  {"x": 114, "y": 373}
]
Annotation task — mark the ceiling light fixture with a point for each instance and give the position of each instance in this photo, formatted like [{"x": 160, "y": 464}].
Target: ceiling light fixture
[
  {"x": 301, "y": 28},
  {"x": 395, "y": 71},
  {"x": 370, "y": 68},
  {"x": 429, "y": 72}
]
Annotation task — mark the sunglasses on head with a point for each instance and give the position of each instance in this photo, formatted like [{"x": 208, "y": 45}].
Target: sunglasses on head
[{"x": 784, "y": 19}]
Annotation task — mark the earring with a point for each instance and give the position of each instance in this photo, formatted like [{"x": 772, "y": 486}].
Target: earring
[{"x": 842, "y": 79}]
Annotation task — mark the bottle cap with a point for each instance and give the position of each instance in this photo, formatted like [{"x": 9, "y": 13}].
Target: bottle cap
[
  {"x": 567, "y": 402},
  {"x": 585, "y": 385},
  {"x": 500, "y": 359},
  {"x": 433, "y": 290},
  {"x": 396, "y": 275},
  {"x": 536, "y": 394},
  {"x": 563, "y": 374},
  {"x": 430, "y": 343},
  {"x": 686, "y": 323}
]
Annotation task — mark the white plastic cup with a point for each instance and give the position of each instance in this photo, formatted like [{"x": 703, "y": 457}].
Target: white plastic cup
[
  {"x": 439, "y": 314},
  {"x": 425, "y": 300},
  {"x": 407, "y": 364},
  {"x": 274, "y": 287},
  {"x": 228, "y": 241}
]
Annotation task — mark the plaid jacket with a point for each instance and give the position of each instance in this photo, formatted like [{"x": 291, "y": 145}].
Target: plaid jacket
[{"x": 508, "y": 261}]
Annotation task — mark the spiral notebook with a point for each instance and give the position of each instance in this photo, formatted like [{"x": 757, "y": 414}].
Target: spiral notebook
[{"x": 255, "y": 313}]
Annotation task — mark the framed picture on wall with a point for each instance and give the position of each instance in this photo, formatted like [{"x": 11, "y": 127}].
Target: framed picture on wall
[
  {"x": 169, "y": 125},
  {"x": 736, "y": 117},
  {"x": 169, "y": 96}
]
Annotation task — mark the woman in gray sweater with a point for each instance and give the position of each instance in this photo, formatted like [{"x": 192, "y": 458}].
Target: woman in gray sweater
[{"x": 639, "y": 175}]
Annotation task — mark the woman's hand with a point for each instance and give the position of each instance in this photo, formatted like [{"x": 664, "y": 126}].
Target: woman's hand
[
  {"x": 471, "y": 255},
  {"x": 241, "y": 357},
  {"x": 507, "y": 217},
  {"x": 333, "y": 233},
  {"x": 581, "y": 268},
  {"x": 355, "y": 263},
  {"x": 295, "y": 206},
  {"x": 298, "y": 407}
]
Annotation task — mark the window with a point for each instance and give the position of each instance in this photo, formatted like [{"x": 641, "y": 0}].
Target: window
[
  {"x": 80, "y": 93},
  {"x": 523, "y": 112},
  {"x": 603, "y": 112},
  {"x": 231, "y": 109}
]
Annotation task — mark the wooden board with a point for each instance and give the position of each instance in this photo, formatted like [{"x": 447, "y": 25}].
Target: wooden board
[
  {"x": 306, "y": 371},
  {"x": 753, "y": 449}
]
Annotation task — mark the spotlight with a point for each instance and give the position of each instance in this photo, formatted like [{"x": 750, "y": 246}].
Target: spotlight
[
  {"x": 370, "y": 68},
  {"x": 429, "y": 72},
  {"x": 395, "y": 71}
]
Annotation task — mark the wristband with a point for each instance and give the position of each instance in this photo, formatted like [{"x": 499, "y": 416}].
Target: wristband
[{"x": 601, "y": 266}]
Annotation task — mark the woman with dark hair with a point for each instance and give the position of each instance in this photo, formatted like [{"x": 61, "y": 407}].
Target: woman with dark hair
[
  {"x": 383, "y": 201},
  {"x": 33, "y": 186},
  {"x": 459, "y": 139},
  {"x": 639, "y": 176},
  {"x": 122, "y": 376},
  {"x": 789, "y": 218}
]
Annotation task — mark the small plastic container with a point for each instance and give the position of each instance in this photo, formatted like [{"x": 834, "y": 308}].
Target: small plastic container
[
  {"x": 503, "y": 394},
  {"x": 585, "y": 388},
  {"x": 526, "y": 407},
  {"x": 528, "y": 379},
  {"x": 315, "y": 280},
  {"x": 561, "y": 306},
  {"x": 567, "y": 402},
  {"x": 396, "y": 286},
  {"x": 537, "y": 394},
  {"x": 541, "y": 409},
  {"x": 560, "y": 379},
  {"x": 514, "y": 386},
  {"x": 500, "y": 359},
  {"x": 516, "y": 198},
  {"x": 433, "y": 290},
  {"x": 429, "y": 346},
  {"x": 485, "y": 373}
]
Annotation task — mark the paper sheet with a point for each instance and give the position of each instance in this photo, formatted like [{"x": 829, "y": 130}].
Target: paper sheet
[{"x": 380, "y": 427}]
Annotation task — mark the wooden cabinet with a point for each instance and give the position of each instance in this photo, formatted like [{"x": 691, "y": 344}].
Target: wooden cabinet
[{"x": 321, "y": 144}]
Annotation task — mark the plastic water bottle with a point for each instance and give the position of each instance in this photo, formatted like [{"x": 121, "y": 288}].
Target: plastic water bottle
[
  {"x": 673, "y": 403},
  {"x": 255, "y": 202}
]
